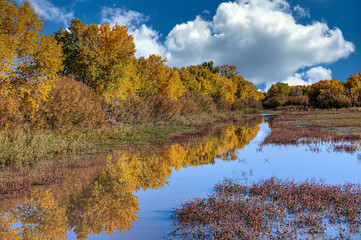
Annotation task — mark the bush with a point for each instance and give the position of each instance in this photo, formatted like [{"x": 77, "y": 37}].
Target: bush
[
  {"x": 331, "y": 98},
  {"x": 196, "y": 103},
  {"x": 247, "y": 103},
  {"x": 10, "y": 114},
  {"x": 135, "y": 110},
  {"x": 222, "y": 104},
  {"x": 71, "y": 104},
  {"x": 297, "y": 101},
  {"x": 274, "y": 102}
]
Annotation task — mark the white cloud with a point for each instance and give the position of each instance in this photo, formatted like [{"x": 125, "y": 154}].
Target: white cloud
[
  {"x": 301, "y": 12},
  {"x": 145, "y": 38},
  {"x": 260, "y": 37},
  {"x": 313, "y": 75},
  {"x": 49, "y": 11},
  {"x": 121, "y": 16}
]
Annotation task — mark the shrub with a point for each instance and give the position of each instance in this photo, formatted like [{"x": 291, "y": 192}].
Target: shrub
[
  {"x": 10, "y": 115},
  {"x": 297, "y": 100},
  {"x": 246, "y": 103},
  {"x": 332, "y": 98},
  {"x": 142, "y": 109},
  {"x": 274, "y": 102},
  {"x": 195, "y": 103},
  {"x": 71, "y": 104}
]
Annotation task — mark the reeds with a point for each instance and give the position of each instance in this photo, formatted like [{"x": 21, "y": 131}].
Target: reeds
[{"x": 20, "y": 147}]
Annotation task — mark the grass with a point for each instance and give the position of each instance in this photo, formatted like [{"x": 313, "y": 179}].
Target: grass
[
  {"x": 27, "y": 148},
  {"x": 271, "y": 209}
]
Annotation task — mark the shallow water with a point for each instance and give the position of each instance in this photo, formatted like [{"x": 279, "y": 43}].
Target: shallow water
[{"x": 137, "y": 194}]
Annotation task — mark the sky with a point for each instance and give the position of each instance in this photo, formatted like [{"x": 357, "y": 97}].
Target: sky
[{"x": 269, "y": 41}]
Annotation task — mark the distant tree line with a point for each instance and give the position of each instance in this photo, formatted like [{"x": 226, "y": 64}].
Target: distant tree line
[{"x": 323, "y": 94}]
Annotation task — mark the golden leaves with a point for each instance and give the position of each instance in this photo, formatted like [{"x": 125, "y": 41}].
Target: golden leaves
[
  {"x": 100, "y": 56},
  {"x": 29, "y": 61}
]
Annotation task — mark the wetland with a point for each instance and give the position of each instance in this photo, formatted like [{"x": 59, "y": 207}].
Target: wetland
[{"x": 169, "y": 190}]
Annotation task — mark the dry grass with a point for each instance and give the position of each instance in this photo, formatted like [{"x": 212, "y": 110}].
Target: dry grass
[{"x": 20, "y": 147}]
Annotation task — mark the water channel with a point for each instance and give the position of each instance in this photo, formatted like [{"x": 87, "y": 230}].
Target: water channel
[{"x": 133, "y": 196}]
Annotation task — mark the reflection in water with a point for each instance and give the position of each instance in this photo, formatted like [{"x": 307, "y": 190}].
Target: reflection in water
[{"x": 108, "y": 202}]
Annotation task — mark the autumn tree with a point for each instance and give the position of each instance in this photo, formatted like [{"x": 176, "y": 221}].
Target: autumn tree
[
  {"x": 278, "y": 89},
  {"x": 354, "y": 89},
  {"x": 100, "y": 56},
  {"x": 29, "y": 61},
  {"x": 277, "y": 95},
  {"x": 329, "y": 94},
  {"x": 157, "y": 78}
]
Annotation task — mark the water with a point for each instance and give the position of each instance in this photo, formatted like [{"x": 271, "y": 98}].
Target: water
[{"x": 137, "y": 194}]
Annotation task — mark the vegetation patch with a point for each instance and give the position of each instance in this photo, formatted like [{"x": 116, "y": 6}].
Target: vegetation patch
[
  {"x": 314, "y": 126},
  {"x": 272, "y": 209}
]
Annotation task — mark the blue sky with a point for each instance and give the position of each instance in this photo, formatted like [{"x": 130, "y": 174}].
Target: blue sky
[{"x": 293, "y": 41}]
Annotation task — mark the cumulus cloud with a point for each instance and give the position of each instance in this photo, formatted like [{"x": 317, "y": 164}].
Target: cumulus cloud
[
  {"x": 145, "y": 38},
  {"x": 309, "y": 77},
  {"x": 49, "y": 11},
  {"x": 260, "y": 37}
]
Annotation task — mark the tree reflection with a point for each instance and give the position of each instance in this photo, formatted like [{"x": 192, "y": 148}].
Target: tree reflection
[
  {"x": 42, "y": 217},
  {"x": 107, "y": 204}
]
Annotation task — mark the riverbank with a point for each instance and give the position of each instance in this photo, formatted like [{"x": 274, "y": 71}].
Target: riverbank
[{"x": 18, "y": 177}]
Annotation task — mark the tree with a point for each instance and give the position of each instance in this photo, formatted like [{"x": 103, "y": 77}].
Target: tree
[
  {"x": 100, "y": 56},
  {"x": 278, "y": 89},
  {"x": 29, "y": 61},
  {"x": 354, "y": 89},
  {"x": 328, "y": 94},
  {"x": 157, "y": 78}
]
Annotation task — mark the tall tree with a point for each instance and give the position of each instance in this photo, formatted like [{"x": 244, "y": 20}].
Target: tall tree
[
  {"x": 29, "y": 61},
  {"x": 100, "y": 56},
  {"x": 354, "y": 87}
]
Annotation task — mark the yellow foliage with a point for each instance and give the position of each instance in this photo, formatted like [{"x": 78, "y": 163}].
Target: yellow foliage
[
  {"x": 354, "y": 87},
  {"x": 323, "y": 85},
  {"x": 100, "y": 56},
  {"x": 41, "y": 217},
  {"x": 155, "y": 77},
  {"x": 29, "y": 61}
]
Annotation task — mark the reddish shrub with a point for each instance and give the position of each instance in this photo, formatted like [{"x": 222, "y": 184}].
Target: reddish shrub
[
  {"x": 142, "y": 109},
  {"x": 195, "y": 103},
  {"x": 271, "y": 209},
  {"x": 297, "y": 100},
  {"x": 247, "y": 103},
  {"x": 332, "y": 98},
  {"x": 72, "y": 104}
]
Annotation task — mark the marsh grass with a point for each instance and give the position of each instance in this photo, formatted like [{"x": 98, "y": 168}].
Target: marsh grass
[
  {"x": 22, "y": 147},
  {"x": 312, "y": 126},
  {"x": 271, "y": 209}
]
